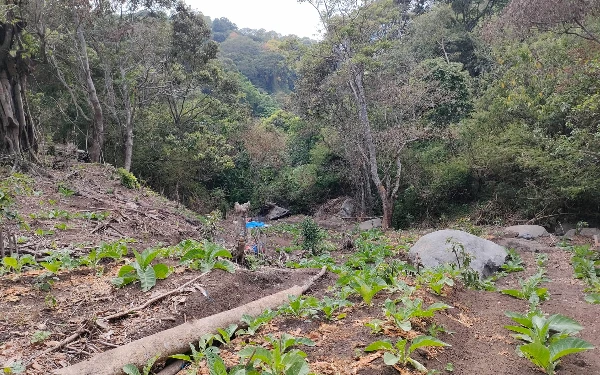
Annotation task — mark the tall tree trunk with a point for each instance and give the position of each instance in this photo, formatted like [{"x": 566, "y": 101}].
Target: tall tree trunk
[
  {"x": 128, "y": 136},
  {"x": 97, "y": 133},
  {"x": 356, "y": 83},
  {"x": 17, "y": 135}
]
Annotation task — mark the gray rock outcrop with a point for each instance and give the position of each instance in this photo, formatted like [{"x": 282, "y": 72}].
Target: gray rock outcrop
[
  {"x": 435, "y": 249},
  {"x": 370, "y": 224},
  {"x": 584, "y": 232},
  {"x": 527, "y": 232}
]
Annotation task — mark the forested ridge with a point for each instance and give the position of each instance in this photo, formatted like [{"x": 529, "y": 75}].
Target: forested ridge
[{"x": 422, "y": 111}]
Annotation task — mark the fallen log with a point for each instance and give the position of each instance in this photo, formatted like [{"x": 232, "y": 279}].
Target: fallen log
[{"x": 177, "y": 339}]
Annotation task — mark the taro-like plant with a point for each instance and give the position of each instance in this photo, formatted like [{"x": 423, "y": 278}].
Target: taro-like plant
[
  {"x": 110, "y": 250},
  {"x": 530, "y": 290},
  {"x": 282, "y": 359},
  {"x": 330, "y": 306},
  {"x": 204, "y": 348},
  {"x": 16, "y": 262},
  {"x": 132, "y": 369},
  {"x": 207, "y": 256},
  {"x": 439, "y": 277},
  {"x": 513, "y": 263},
  {"x": 364, "y": 282},
  {"x": 411, "y": 308},
  {"x": 226, "y": 334},
  {"x": 300, "y": 306},
  {"x": 254, "y": 323},
  {"x": 142, "y": 269},
  {"x": 400, "y": 353},
  {"x": 548, "y": 339}
]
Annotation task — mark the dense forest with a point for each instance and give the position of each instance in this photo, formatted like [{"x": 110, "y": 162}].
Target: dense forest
[{"x": 421, "y": 110}]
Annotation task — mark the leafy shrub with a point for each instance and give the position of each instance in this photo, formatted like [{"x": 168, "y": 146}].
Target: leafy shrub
[
  {"x": 312, "y": 235},
  {"x": 128, "y": 179}
]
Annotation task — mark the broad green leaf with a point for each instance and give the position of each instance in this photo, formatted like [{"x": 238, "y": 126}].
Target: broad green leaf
[
  {"x": 183, "y": 357},
  {"x": 216, "y": 366},
  {"x": 147, "y": 257},
  {"x": 297, "y": 365},
  {"x": 523, "y": 320},
  {"x": 536, "y": 353},
  {"x": 197, "y": 253},
  {"x": 256, "y": 352},
  {"x": 131, "y": 370},
  {"x": 561, "y": 323},
  {"x": 404, "y": 325},
  {"x": 225, "y": 265},
  {"x": 593, "y": 298},
  {"x": 52, "y": 267},
  {"x": 513, "y": 293},
  {"x": 379, "y": 345},
  {"x": 568, "y": 345},
  {"x": 524, "y": 331},
  {"x": 417, "y": 365},
  {"x": 126, "y": 269},
  {"x": 390, "y": 359},
  {"x": 10, "y": 262},
  {"x": 422, "y": 341},
  {"x": 147, "y": 279},
  {"x": 161, "y": 271}
]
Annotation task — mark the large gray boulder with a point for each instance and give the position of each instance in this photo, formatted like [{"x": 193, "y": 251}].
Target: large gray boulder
[
  {"x": 584, "y": 232},
  {"x": 435, "y": 249},
  {"x": 527, "y": 232}
]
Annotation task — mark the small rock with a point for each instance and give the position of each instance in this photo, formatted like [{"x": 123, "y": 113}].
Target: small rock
[
  {"x": 527, "y": 232},
  {"x": 347, "y": 209}
]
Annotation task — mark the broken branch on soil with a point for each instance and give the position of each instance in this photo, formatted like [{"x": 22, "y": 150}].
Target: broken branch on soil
[
  {"x": 101, "y": 321},
  {"x": 82, "y": 329}
]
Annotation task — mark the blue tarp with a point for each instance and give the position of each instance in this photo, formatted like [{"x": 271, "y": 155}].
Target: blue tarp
[{"x": 255, "y": 224}]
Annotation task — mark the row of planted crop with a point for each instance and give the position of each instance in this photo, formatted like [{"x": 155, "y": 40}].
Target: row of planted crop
[{"x": 203, "y": 256}]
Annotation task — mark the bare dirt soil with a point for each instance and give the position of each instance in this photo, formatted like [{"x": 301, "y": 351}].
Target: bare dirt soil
[{"x": 77, "y": 297}]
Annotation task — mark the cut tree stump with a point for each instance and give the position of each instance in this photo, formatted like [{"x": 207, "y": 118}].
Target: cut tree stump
[{"x": 176, "y": 340}]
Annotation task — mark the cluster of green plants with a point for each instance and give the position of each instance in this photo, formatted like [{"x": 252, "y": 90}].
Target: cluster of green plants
[
  {"x": 586, "y": 266},
  {"x": 66, "y": 215},
  {"x": 547, "y": 338},
  {"x": 62, "y": 259},
  {"x": 128, "y": 179}
]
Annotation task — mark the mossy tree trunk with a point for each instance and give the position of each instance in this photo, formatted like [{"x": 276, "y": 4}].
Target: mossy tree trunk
[{"x": 16, "y": 126}]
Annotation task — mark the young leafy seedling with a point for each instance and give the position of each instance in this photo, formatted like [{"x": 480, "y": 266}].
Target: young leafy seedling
[
  {"x": 401, "y": 351},
  {"x": 254, "y": 323},
  {"x": 301, "y": 306},
  {"x": 529, "y": 289},
  {"x": 411, "y": 309},
  {"x": 142, "y": 270},
  {"x": 281, "y": 359},
  {"x": 207, "y": 256},
  {"x": 513, "y": 263},
  {"x": 364, "y": 282},
  {"x": 131, "y": 369},
  {"x": 330, "y": 306},
  {"x": 548, "y": 339}
]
